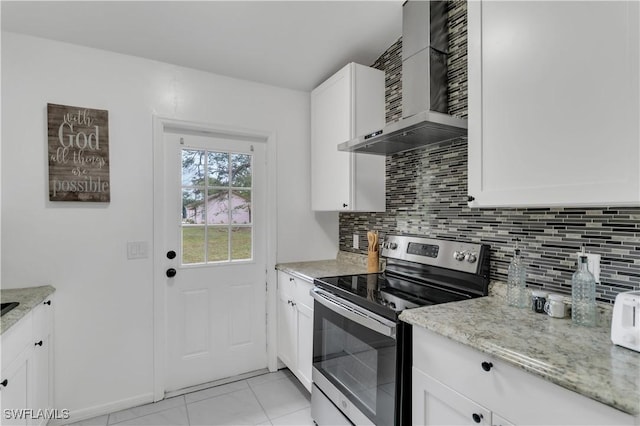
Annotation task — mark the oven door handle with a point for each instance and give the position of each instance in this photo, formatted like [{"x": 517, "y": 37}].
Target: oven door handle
[{"x": 354, "y": 313}]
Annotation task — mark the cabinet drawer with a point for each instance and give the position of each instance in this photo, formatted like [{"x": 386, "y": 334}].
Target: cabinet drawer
[
  {"x": 15, "y": 339},
  {"x": 515, "y": 394},
  {"x": 296, "y": 288},
  {"x": 43, "y": 318}
]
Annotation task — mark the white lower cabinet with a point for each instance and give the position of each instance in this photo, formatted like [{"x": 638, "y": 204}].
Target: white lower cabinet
[
  {"x": 437, "y": 404},
  {"x": 295, "y": 326},
  {"x": 456, "y": 384},
  {"x": 26, "y": 377}
]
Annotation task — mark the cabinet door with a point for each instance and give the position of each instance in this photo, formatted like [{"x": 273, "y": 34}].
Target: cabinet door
[
  {"x": 287, "y": 332},
  {"x": 553, "y": 108},
  {"x": 350, "y": 103},
  {"x": 330, "y": 125},
  {"x": 41, "y": 368},
  {"x": 14, "y": 392},
  {"x": 436, "y": 404},
  {"x": 305, "y": 343}
]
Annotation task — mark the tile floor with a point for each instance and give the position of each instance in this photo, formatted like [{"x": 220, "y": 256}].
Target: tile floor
[{"x": 269, "y": 399}]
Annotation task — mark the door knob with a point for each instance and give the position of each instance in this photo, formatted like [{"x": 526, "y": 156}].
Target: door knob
[
  {"x": 171, "y": 272},
  {"x": 171, "y": 254}
]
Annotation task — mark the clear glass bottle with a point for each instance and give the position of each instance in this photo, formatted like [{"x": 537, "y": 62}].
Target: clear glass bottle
[
  {"x": 516, "y": 282},
  {"x": 583, "y": 295}
]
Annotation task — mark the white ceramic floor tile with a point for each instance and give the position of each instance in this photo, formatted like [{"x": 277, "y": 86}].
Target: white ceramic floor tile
[
  {"x": 143, "y": 410},
  {"x": 299, "y": 418},
  {"x": 216, "y": 391},
  {"x": 95, "y": 421},
  {"x": 269, "y": 377},
  {"x": 235, "y": 408},
  {"x": 176, "y": 416},
  {"x": 281, "y": 397}
]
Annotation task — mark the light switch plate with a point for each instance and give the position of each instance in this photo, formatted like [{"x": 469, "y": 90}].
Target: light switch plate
[
  {"x": 356, "y": 242},
  {"x": 137, "y": 250}
]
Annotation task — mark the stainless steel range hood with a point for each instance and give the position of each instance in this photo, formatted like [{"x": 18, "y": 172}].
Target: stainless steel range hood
[{"x": 425, "y": 119}]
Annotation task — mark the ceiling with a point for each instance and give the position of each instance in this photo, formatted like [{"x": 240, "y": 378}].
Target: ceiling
[{"x": 291, "y": 44}]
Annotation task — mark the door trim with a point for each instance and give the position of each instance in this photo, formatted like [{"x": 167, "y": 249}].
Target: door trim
[{"x": 159, "y": 316}]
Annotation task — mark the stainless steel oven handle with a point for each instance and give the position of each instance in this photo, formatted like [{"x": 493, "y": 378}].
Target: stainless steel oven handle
[{"x": 354, "y": 313}]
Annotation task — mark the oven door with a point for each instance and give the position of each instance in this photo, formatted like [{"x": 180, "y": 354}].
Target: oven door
[{"x": 354, "y": 359}]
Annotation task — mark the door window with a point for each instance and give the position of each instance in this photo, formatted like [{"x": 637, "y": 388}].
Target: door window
[{"x": 217, "y": 191}]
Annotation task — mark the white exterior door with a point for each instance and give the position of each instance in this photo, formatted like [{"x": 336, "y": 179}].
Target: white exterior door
[{"x": 215, "y": 296}]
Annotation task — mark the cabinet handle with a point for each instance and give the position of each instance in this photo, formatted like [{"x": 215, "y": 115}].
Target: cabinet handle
[
  {"x": 486, "y": 366},
  {"x": 39, "y": 343},
  {"x": 477, "y": 417},
  {"x": 48, "y": 302},
  {"x": 291, "y": 279},
  {"x": 471, "y": 198},
  {"x": 345, "y": 205},
  {"x": 4, "y": 383},
  {"x": 293, "y": 303}
]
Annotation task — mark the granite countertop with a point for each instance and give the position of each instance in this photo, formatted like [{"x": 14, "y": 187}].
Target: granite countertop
[
  {"x": 28, "y": 297},
  {"x": 577, "y": 358},
  {"x": 345, "y": 263}
]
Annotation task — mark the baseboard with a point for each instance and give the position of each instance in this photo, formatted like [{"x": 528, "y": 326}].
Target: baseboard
[{"x": 100, "y": 410}]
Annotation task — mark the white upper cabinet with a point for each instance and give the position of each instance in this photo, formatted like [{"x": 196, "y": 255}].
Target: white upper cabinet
[
  {"x": 554, "y": 103},
  {"x": 348, "y": 104}
]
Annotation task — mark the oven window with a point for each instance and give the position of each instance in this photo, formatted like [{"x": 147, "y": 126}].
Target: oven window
[{"x": 360, "y": 362}]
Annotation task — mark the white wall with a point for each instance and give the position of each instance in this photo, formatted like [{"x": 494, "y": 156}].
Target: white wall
[{"x": 104, "y": 312}]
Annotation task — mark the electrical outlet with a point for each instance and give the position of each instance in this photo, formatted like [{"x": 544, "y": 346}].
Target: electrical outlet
[
  {"x": 593, "y": 264},
  {"x": 356, "y": 241}
]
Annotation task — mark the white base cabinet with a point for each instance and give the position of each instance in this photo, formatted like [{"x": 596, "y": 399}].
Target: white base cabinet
[
  {"x": 553, "y": 106},
  {"x": 26, "y": 378},
  {"x": 295, "y": 326},
  {"x": 348, "y": 104},
  {"x": 456, "y": 384}
]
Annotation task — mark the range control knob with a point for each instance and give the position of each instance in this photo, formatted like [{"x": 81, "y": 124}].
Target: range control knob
[
  {"x": 393, "y": 246},
  {"x": 459, "y": 255},
  {"x": 471, "y": 257}
]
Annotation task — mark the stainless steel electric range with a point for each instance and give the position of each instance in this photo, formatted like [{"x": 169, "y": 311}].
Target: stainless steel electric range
[{"x": 361, "y": 350}]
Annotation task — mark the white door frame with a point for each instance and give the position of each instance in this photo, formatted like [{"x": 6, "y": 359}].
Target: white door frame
[{"x": 159, "y": 246}]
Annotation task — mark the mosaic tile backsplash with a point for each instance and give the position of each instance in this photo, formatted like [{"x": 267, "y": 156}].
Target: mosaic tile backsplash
[{"x": 427, "y": 195}]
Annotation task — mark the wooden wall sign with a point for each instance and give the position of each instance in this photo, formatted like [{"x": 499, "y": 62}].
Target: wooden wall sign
[{"x": 78, "y": 141}]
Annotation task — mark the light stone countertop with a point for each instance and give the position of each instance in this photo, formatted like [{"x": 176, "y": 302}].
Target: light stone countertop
[
  {"x": 28, "y": 297},
  {"x": 345, "y": 263},
  {"x": 577, "y": 358}
]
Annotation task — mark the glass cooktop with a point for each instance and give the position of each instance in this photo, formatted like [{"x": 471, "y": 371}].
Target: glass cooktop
[{"x": 385, "y": 294}]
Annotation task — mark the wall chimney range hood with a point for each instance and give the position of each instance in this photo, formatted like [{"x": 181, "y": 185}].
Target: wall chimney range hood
[{"x": 425, "y": 119}]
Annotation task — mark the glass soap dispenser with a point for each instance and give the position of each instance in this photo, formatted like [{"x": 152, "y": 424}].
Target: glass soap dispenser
[
  {"x": 583, "y": 294},
  {"x": 516, "y": 282}
]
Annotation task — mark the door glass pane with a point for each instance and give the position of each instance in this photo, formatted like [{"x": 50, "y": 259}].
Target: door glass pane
[
  {"x": 218, "y": 168},
  {"x": 193, "y": 206},
  {"x": 218, "y": 206},
  {"x": 241, "y": 170},
  {"x": 241, "y": 207},
  {"x": 193, "y": 166},
  {"x": 217, "y": 243},
  {"x": 241, "y": 243},
  {"x": 216, "y": 192},
  {"x": 193, "y": 238}
]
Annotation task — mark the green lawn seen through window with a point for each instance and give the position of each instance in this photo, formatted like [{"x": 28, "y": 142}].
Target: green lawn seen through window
[{"x": 193, "y": 241}]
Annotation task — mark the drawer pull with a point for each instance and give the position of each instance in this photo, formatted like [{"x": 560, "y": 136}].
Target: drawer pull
[
  {"x": 39, "y": 343},
  {"x": 48, "y": 302},
  {"x": 4, "y": 383},
  {"x": 486, "y": 366},
  {"x": 291, "y": 279},
  {"x": 477, "y": 417}
]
